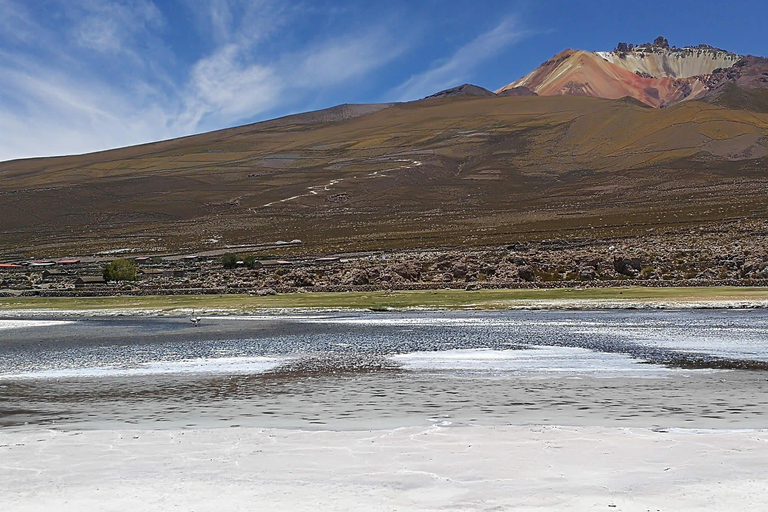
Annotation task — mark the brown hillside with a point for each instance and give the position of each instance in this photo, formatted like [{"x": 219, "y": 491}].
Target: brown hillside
[{"x": 450, "y": 171}]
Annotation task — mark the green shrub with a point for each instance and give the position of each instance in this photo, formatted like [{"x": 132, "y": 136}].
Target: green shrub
[
  {"x": 250, "y": 261},
  {"x": 120, "y": 270},
  {"x": 229, "y": 260},
  {"x": 545, "y": 276}
]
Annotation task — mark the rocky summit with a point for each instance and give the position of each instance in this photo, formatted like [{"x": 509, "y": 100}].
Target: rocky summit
[{"x": 655, "y": 73}]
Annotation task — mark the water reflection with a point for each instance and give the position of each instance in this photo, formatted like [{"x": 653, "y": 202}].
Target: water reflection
[
  {"x": 388, "y": 398},
  {"x": 363, "y": 371}
]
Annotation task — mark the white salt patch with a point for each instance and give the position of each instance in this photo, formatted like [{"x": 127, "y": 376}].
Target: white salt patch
[
  {"x": 469, "y": 469},
  {"x": 730, "y": 342},
  {"x": 20, "y": 324},
  {"x": 711, "y": 431},
  {"x": 225, "y": 365},
  {"x": 385, "y": 320},
  {"x": 414, "y": 321},
  {"x": 536, "y": 360},
  {"x": 265, "y": 318}
]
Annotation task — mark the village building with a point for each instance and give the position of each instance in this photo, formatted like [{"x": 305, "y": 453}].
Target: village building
[
  {"x": 88, "y": 281},
  {"x": 53, "y": 274},
  {"x": 42, "y": 264}
]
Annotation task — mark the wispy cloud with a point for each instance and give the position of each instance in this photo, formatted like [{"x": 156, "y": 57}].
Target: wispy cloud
[
  {"x": 225, "y": 87},
  {"x": 240, "y": 22},
  {"x": 59, "y": 114},
  {"x": 458, "y": 68},
  {"x": 111, "y": 27},
  {"x": 81, "y": 83},
  {"x": 16, "y": 22},
  {"x": 341, "y": 59}
]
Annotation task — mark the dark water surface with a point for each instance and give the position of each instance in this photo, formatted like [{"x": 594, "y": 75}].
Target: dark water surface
[{"x": 698, "y": 369}]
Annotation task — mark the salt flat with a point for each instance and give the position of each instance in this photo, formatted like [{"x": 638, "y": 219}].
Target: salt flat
[
  {"x": 666, "y": 411},
  {"x": 435, "y": 468},
  {"x": 20, "y": 324}
]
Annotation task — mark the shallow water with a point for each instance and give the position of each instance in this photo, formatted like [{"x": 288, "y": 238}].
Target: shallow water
[{"x": 696, "y": 369}]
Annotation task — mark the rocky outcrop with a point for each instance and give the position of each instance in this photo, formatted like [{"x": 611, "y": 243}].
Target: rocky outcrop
[
  {"x": 301, "y": 278},
  {"x": 526, "y": 274},
  {"x": 627, "y": 266},
  {"x": 661, "y": 42}
]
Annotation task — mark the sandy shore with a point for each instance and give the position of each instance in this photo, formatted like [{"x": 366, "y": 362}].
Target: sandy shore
[{"x": 438, "y": 468}]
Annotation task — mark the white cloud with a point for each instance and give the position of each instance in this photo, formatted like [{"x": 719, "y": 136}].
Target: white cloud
[
  {"x": 62, "y": 114},
  {"x": 240, "y": 22},
  {"x": 221, "y": 20},
  {"x": 229, "y": 89},
  {"x": 109, "y": 26},
  {"x": 458, "y": 68},
  {"x": 341, "y": 59}
]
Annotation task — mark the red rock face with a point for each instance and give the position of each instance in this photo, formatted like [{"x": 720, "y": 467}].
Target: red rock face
[{"x": 575, "y": 72}]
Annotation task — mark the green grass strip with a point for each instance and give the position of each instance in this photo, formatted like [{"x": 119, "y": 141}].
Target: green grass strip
[{"x": 439, "y": 299}]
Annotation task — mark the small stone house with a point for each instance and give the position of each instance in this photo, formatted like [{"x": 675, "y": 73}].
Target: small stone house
[
  {"x": 51, "y": 275},
  {"x": 85, "y": 281}
]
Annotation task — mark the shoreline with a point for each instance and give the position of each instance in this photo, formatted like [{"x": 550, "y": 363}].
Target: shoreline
[
  {"x": 223, "y": 314},
  {"x": 447, "y": 468},
  {"x": 382, "y": 301}
]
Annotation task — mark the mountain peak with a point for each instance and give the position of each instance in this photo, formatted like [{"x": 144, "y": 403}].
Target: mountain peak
[
  {"x": 462, "y": 90},
  {"x": 656, "y": 73}
]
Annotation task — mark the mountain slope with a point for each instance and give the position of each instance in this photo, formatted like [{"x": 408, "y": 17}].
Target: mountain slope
[
  {"x": 462, "y": 170},
  {"x": 742, "y": 86}
]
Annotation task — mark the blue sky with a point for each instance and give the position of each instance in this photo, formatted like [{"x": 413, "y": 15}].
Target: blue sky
[{"x": 84, "y": 75}]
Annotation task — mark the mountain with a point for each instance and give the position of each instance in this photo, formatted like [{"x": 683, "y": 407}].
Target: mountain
[
  {"x": 455, "y": 171},
  {"x": 462, "y": 90},
  {"x": 572, "y": 150},
  {"x": 655, "y": 74}
]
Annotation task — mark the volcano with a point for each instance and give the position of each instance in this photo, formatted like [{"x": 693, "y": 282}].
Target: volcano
[{"x": 654, "y": 73}]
